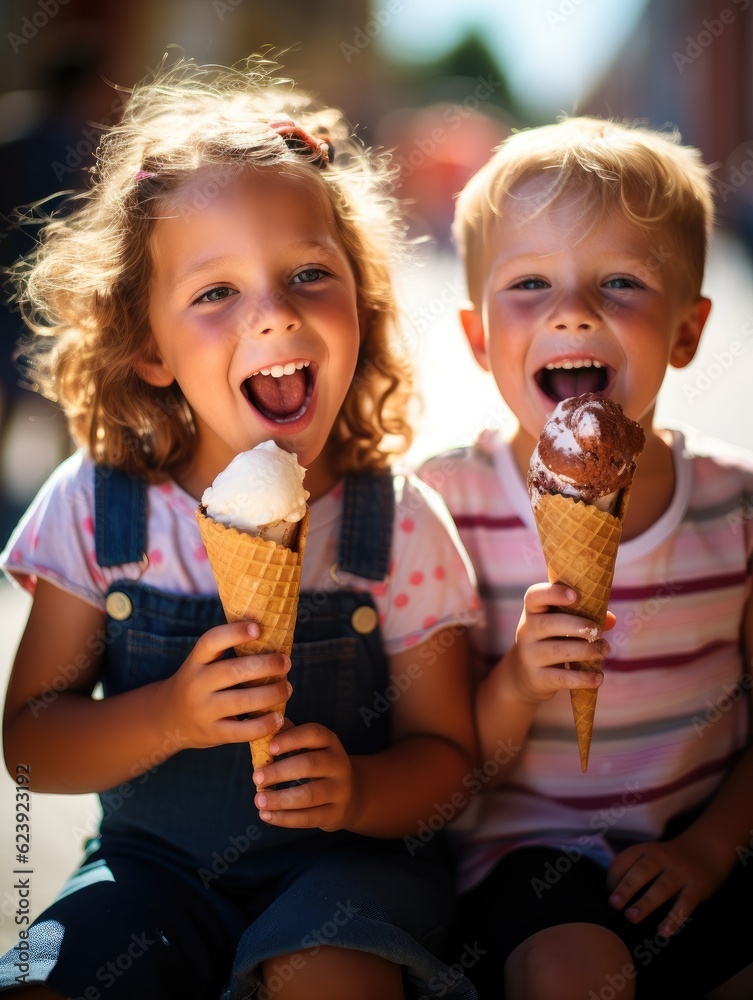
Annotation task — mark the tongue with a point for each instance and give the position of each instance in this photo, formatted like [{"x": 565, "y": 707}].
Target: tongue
[
  {"x": 280, "y": 397},
  {"x": 566, "y": 382}
]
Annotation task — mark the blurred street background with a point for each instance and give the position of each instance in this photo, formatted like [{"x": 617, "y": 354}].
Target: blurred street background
[{"x": 437, "y": 82}]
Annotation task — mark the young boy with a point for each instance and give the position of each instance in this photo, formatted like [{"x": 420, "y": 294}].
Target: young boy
[{"x": 584, "y": 245}]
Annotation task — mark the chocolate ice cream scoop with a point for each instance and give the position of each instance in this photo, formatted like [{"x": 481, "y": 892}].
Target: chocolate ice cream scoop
[{"x": 587, "y": 450}]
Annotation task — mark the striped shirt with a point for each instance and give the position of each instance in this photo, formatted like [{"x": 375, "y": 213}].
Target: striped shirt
[{"x": 672, "y": 713}]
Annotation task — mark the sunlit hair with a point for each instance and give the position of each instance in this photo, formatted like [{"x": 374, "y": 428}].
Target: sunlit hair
[
  {"x": 85, "y": 291},
  {"x": 644, "y": 174}
]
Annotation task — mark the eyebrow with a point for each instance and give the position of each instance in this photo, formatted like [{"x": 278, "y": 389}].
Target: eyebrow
[
  {"x": 199, "y": 266},
  {"x": 622, "y": 255}
]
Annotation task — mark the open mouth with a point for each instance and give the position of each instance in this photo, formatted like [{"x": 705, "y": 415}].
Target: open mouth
[
  {"x": 562, "y": 379},
  {"x": 282, "y": 393}
]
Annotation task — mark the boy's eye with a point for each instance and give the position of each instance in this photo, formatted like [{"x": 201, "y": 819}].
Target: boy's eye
[
  {"x": 532, "y": 284},
  {"x": 622, "y": 283},
  {"x": 216, "y": 294},
  {"x": 309, "y": 274}
]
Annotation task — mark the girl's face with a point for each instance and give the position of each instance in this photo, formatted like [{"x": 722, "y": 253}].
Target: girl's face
[{"x": 254, "y": 314}]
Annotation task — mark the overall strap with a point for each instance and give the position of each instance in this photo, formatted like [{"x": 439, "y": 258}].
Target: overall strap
[
  {"x": 119, "y": 516},
  {"x": 366, "y": 531}
]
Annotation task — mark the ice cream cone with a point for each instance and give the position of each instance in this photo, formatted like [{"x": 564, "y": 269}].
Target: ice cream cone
[
  {"x": 580, "y": 547},
  {"x": 258, "y": 579}
]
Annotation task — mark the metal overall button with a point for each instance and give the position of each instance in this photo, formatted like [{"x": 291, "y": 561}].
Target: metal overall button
[
  {"x": 364, "y": 619},
  {"x": 118, "y": 606}
]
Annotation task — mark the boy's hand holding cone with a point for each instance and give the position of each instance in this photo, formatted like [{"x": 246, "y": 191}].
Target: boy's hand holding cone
[
  {"x": 579, "y": 482},
  {"x": 254, "y": 522}
]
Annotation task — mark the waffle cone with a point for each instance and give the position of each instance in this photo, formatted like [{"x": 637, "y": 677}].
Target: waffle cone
[
  {"x": 258, "y": 580},
  {"x": 580, "y": 543}
]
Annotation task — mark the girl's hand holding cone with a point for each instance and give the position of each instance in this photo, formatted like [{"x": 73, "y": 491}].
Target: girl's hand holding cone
[{"x": 208, "y": 701}]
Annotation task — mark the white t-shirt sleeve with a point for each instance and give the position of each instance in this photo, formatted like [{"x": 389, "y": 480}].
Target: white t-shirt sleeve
[
  {"x": 431, "y": 585},
  {"x": 54, "y": 540}
]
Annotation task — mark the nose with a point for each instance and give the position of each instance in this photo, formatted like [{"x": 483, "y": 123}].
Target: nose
[
  {"x": 574, "y": 312},
  {"x": 273, "y": 314}
]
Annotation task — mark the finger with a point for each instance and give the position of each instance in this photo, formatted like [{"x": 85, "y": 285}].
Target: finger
[
  {"x": 215, "y": 642},
  {"x": 237, "y": 670},
  {"x": 310, "y": 736},
  {"x": 661, "y": 890},
  {"x": 234, "y": 730},
  {"x": 633, "y": 880},
  {"x": 542, "y": 596},
  {"x": 556, "y": 652},
  {"x": 251, "y": 700},
  {"x": 677, "y": 916},
  {"x": 299, "y": 819},
  {"x": 559, "y": 624},
  {"x": 299, "y": 767},
  {"x": 309, "y": 795},
  {"x": 560, "y": 679}
]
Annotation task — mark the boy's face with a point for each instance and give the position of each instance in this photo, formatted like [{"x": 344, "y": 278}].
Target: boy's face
[{"x": 562, "y": 313}]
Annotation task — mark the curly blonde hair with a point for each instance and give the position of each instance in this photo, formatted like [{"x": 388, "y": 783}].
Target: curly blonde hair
[
  {"x": 644, "y": 174},
  {"x": 84, "y": 292}
]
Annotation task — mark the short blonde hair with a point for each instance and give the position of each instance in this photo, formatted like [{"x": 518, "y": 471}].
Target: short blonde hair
[
  {"x": 645, "y": 174},
  {"x": 85, "y": 291}
]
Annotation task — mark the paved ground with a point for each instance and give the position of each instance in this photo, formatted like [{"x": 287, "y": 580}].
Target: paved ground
[{"x": 712, "y": 395}]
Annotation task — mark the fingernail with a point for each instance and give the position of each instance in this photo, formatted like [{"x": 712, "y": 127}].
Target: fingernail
[
  {"x": 253, "y": 630},
  {"x": 571, "y": 595},
  {"x": 286, "y": 665},
  {"x": 258, "y": 777},
  {"x": 261, "y": 800},
  {"x": 279, "y": 719},
  {"x": 290, "y": 689},
  {"x": 274, "y": 748}
]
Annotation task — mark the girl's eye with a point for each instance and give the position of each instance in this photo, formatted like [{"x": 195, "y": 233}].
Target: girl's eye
[
  {"x": 621, "y": 283},
  {"x": 309, "y": 274},
  {"x": 532, "y": 284},
  {"x": 216, "y": 294}
]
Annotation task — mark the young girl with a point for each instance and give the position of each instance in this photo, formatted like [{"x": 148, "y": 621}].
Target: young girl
[{"x": 225, "y": 282}]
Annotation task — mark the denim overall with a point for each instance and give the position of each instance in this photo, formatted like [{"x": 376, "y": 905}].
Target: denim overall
[{"x": 183, "y": 841}]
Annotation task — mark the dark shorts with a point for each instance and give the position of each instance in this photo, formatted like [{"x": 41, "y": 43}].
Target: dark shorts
[
  {"x": 125, "y": 927},
  {"x": 534, "y": 888}
]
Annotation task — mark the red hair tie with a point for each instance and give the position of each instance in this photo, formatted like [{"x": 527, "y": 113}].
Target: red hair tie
[{"x": 297, "y": 138}]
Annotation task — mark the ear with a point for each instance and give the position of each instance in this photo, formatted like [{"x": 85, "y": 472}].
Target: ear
[
  {"x": 689, "y": 333},
  {"x": 155, "y": 372},
  {"x": 473, "y": 325}
]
